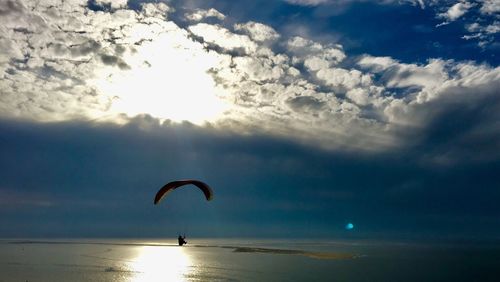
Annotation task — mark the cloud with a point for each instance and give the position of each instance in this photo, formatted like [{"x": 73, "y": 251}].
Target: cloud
[
  {"x": 306, "y": 103},
  {"x": 483, "y": 16},
  {"x": 68, "y": 62},
  {"x": 420, "y": 3},
  {"x": 257, "y": 31},
  {"x": 307, "y": 2},
  {"x": 456, "y": 11},
  {"x": 304, "y": 49},
  {"x": 203, "y": 14},
  {"x": 481, "y": 12},
  {"x": 73, "y": 178},
  {"x": 441, "y": 95},
  {"x": 490, "y": 7},
  {"x": 113, "y": 4},
  {"x": 400, "y": 75},
  {"x": 222, "y": 37}
]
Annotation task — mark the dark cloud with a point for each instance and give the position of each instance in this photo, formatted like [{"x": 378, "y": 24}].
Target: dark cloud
[
  {"x": 73, "y": 179},
  {"x": 105, "y": 5},
  {"x": 465, "y": 128},
  {"x": 11, "y": 7},
  {"x": 312, "y": 138},
  {"x": 307, "y": 103},
  {"x": 114, "y": 61},
  {"x": 86, "y": 48}
]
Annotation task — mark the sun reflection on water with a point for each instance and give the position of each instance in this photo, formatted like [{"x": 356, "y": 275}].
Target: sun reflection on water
[{"x": 160, "y": 264}]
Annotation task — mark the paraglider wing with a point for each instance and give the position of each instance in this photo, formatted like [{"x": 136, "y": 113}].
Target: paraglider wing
[{"x": 169, "y": 187}]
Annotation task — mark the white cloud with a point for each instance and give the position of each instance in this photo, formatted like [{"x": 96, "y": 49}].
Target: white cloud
[
  {"x": 456, "y": 11},
  {"x": 479, "y": 12},
  {"x": 304, "y": 49},
  {"x": 482, "y": 23},
  {"x": 360, "y": 96},
  {"x": 483, "y": 33},
  {"x": 199, "y": 15},
  {"x": 224, "y": 38},
  {"x": 400, "y": 75},
  {"x": 157, "y": 10},
  {"x": 492, "y": 28},
  {"x": 65, "y": 62},
  {"x": 257, "y": 31},
  {"x": 474, "y": 27},
  {"x": 377, "y": 64},
  {"x": 490, "y": 7}
]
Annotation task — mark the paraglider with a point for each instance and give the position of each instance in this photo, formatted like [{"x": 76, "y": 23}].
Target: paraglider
[
  {"x": 169, "y": 187},
  {"x": 182, "y": 240}
]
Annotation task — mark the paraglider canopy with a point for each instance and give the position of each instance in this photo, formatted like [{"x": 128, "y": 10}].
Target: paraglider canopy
[{"x": 176, "y": 184}]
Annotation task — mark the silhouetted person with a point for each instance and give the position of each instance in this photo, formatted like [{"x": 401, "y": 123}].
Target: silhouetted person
[{"x": 182, "y": 240}]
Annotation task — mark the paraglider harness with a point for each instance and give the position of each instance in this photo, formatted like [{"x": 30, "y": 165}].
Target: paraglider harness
[{"x": 182, "y": 240}]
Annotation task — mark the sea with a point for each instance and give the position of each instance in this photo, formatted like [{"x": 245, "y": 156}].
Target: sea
[{"x": 244, "y": 260}]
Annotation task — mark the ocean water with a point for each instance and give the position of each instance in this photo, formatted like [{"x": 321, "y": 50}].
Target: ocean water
[{"x": 244, "y": 260}]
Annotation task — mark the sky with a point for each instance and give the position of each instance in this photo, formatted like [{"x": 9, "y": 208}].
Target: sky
[{"x": 303, "y": 116}]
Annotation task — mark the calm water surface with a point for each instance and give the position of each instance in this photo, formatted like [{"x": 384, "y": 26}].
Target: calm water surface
[{"x": 243, "y": 260}]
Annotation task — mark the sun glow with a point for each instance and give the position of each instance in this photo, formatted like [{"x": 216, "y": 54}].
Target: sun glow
[
  {"x": 167, "y": 78},
  {"x": 160, "y": 264}
]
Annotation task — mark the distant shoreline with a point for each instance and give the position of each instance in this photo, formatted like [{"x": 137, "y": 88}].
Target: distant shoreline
[{"x": 236, "y": 249}]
